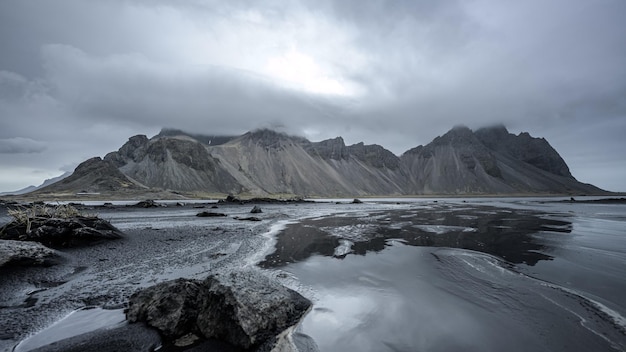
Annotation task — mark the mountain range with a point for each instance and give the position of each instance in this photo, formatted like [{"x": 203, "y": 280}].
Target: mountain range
[{"x": 264, "y": 162}]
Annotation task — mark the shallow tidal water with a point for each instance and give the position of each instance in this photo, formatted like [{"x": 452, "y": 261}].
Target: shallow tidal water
[{"x": 512, "y": 275}]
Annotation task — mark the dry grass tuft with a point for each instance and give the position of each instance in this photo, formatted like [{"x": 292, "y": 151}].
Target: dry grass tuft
[{"x": 24, "y": 215}]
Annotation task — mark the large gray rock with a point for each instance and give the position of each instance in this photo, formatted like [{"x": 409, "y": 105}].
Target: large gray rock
[
  {"x": 25, "y": 253},
  {"x": 171, "y": 307},
  {"x": 244, "y": 308}
]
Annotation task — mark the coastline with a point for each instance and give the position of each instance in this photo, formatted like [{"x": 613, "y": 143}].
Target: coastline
[
  {"x": 161, "y": 243},
  {"x": 169, "y": 242}
]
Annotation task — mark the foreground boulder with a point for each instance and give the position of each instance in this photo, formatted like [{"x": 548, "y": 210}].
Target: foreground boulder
[
  {"x": 244, "y": 308},
  {"x": 61, "y": 232},
  {"x": 18, "y": 253},
  {"x": 171, "y": 307}
]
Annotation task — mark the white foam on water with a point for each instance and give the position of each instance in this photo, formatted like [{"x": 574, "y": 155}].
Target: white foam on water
[
  {"x": 616, "y": 318},
  {"x": 270, "y": 242}
]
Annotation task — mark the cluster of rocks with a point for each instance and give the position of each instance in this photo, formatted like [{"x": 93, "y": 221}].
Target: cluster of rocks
[
  {"x": 148, "y": 203},
  {"x": 262, "y": 200},
  {"x": 210, "y": 214}
]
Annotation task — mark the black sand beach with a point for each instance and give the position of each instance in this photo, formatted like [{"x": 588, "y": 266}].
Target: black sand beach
[
  {"x": 385, "y": 275},
  {"x": 160, "y": 244}
]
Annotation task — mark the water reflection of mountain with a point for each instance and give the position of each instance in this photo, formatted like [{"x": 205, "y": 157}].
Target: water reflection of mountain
[{"x": 506, "y": 233}]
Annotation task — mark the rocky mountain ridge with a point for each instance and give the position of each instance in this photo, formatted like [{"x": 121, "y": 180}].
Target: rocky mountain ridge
[{"x": 265, "y": 162}]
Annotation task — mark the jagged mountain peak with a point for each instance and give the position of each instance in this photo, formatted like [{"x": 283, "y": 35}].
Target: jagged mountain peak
[
  {"x": 269, "y": 138},
  {"x": 460, "y": 134}
]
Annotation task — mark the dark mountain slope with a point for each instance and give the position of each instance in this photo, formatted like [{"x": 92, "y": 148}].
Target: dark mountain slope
[
  {"x": 489, "y": 161},
  {"x": 534, "y": 151},
  {"x": 175, "y": 163},
  {"x": 269, "y": 162},
  {"x": 93, "y": 176},
  {"x": 455, "y": 163}
]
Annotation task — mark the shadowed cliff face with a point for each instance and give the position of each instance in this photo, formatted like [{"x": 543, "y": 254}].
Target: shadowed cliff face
[
  {"x": 488, "y": 161},
  {"x": 534, "y": 151}
]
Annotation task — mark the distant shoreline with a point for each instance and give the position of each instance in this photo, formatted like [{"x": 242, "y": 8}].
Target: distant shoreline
[{"x": 175, "y": 196}]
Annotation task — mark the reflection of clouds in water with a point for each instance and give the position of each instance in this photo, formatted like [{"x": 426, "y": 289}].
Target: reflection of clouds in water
[
  {"x": 342, "y": 312},
  {"x": 408, "y": 298}
]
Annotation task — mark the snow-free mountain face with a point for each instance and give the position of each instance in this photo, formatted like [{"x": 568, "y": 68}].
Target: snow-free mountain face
[
  {"x": 265, "y": 162},
  {"x": 489, "y": 161}
]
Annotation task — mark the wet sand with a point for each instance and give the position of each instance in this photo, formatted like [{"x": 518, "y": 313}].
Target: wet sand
[
  {"x": 397, "y": 275},
  {"x": 161, "y": 244}
]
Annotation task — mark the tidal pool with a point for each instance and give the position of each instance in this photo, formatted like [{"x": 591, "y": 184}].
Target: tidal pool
[{"x": 450, "y": 277}]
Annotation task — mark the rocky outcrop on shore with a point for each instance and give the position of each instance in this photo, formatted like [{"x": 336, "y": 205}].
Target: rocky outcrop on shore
[
  {"x": 242, "y": 308},
  {"x": 61, "y": 232}
]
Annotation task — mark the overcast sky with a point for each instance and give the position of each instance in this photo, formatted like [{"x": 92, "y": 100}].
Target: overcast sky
[{"x": 78, "y": 78}]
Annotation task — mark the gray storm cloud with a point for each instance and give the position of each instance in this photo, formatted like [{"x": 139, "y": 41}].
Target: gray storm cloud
[
  {"x": 19, "y": 145},
  {"x": 81, "y": 77}
]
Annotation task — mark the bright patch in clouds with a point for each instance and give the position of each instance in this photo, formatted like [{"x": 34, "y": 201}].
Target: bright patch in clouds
[{"x": 301, "y": 71}]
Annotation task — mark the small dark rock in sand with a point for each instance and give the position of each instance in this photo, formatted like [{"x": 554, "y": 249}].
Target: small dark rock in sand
[
  {"x": 148, "y": 203},
  {"x": 75, "y": 231},
  {"x": 209, "y": 214},
  {"x": 357, "y": 201},
  {"x": 249, "y": 218},
  {"x": 243, "y": 308},
  {"x": 256, "y": 210},
  {"x": 230, "y": 199}
]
